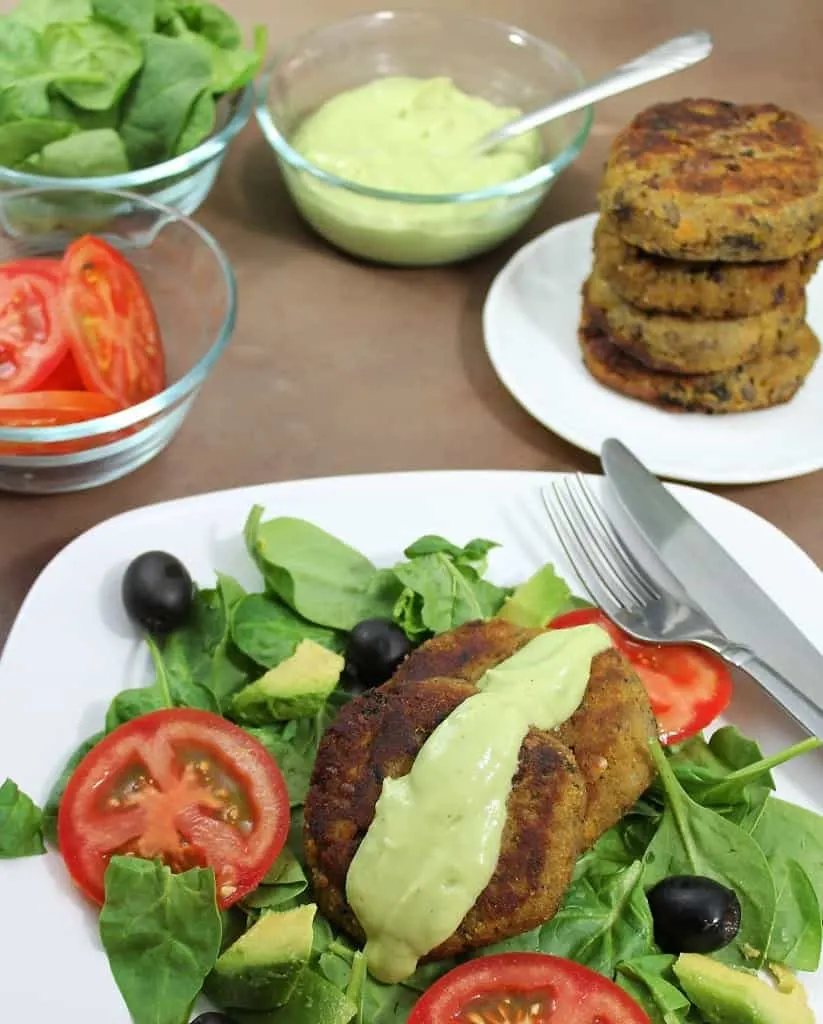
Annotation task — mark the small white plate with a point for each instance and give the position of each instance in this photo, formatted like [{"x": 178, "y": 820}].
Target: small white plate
[
  {"x": 72, "y": 649},
  {"x": 530, "y": 323}
]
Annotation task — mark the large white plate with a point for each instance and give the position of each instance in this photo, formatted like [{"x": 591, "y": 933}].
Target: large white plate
[
  {"x": 72, "y": 649},
  {"x": 530, "y": 324}
]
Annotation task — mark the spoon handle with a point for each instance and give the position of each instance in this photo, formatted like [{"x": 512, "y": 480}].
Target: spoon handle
[{"x": 675, "y": 55}]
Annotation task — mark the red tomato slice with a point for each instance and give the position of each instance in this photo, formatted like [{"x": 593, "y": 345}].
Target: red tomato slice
[
  {"x": 183, "y": 786},
  {"x": 52, "y": 408},
  {"x": 113, "y": 329},
  {"x": 510, "y": 988},
  {"x": 65, "y": 378},
  {"x": 32, "y": 340},
  {"x": 687, "y": 686}
]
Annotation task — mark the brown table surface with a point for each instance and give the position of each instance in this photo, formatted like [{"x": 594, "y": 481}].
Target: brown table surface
[{"x": 338, "y": 367}]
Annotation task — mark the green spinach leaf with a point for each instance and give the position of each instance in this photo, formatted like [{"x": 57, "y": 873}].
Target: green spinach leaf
[
  {"x": 602, "y": 921},
  {"x": 268, "y": 632},
  {"x": 162, "y": 935},
  {"x": 294, "y": 746},
  {"x": 441, "y": 594},
  {"x": 285, "y": 882},
  {"x": 85, "y": 154},
  {"x": 39, "y": 14},
  {"x": 650, "y": 981},
  {"x": 210, "y": 21},
  {"x": 21, "y": 823},
  {"x": 315, "y": 574},
  {"x": 159, "y": 103},
  {"x": 136, "y": 15},
  {"x": 199, "y": 124},
  {"x": 107, "y": 56},
  {"x": 20, "y": 140},
  {"x": 694, "y": 840},
  {"x": 797, "y": 934},
  {"x": 52, "y": 805}
]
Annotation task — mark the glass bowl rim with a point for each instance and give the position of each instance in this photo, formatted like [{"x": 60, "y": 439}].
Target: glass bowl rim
[
  {"x": 213, "y": 146},
  {"x": 169, "y": 396},
  {"x": 542, "y": 175}
]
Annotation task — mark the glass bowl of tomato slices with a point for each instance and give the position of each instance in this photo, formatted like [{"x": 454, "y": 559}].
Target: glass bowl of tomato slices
[{"x": 109, "y": 325}]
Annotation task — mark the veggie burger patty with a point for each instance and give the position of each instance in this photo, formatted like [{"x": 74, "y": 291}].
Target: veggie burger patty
[{"x": 570, "y": 786}]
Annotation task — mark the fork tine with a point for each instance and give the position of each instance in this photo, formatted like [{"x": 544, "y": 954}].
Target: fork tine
[
  {"x": 576, "y": 552},
  {"x": 628, "y": 564},
  {"x": 587, "y": 538}
]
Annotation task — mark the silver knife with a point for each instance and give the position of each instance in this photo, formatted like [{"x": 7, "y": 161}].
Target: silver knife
[{"x": 708, "y": 573}]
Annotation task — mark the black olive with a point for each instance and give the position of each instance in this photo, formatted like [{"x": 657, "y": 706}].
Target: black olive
[
  {"x": 213, "y": 1017},
  {"x": 693, "y": 914},
  {"x": 157, "y": 591},
  {"x": 375, "y": 649}
]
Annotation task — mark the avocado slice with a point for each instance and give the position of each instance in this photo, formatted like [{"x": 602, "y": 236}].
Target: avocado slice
[
  {"x": 313, "y": 1001},
  {"x": 261, "y": 969},
  {"x": 296, "y": 688},
  {"x": 725, "y": 995}
]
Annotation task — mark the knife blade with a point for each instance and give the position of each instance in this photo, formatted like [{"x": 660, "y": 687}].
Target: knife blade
[{"x": 706, "y": 571}]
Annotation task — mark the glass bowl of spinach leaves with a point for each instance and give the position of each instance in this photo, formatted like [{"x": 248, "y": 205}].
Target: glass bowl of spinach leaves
[{"x": 142, "y": 95}]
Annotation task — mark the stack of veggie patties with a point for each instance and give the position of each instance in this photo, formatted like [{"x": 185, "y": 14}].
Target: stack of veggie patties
[{"x": 711, "y": 226}]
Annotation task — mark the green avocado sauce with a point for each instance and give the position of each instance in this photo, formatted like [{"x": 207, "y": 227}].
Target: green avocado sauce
[
  {"x": 413, "y": 136},
  {"x": 435, "y": 839}
]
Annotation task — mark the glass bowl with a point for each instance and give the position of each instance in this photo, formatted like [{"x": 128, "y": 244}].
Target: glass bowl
[
  {"x": 485, "y": 58},
  {"x": 181, "y": 183},
  {"x": 191, "y": 285}
]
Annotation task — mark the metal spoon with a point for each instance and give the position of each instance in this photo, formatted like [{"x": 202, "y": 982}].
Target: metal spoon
[{"x": 675, "y": 55}]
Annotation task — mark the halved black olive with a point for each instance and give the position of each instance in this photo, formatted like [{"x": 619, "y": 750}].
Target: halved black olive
[
  {"x": 375, "y": 649},
  {"x": 157, "y": 591}
]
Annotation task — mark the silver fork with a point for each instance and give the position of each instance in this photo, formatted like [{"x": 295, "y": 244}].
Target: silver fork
[{"x": 620, "y": 586}]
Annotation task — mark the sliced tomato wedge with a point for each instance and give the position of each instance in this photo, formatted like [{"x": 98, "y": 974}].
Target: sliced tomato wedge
[
  {"x": 52, "y": 408},
  {"x": 182, "y": 786},
  {"x": 687, "y": 686},
  {"x": 111, "y": 323},
  {"x": 32, "y": 339},
  {"x": 66, "y": 377},
  {"x": 515, "y": 988}
]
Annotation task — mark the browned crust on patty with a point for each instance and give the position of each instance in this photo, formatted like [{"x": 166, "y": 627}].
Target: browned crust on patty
[
  {"x": 757, "y": 385},
  {"x": 694, "y": 288},
  {"x": 709, "y": 180},
  {"x": 681, "y": 344},
  {"x": 378, "y": 735}
]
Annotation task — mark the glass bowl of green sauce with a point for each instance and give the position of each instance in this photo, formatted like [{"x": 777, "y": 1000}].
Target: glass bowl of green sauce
[{"x": 374, "y": 119}]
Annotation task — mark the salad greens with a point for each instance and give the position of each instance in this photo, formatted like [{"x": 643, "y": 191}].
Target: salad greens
[
  {"x": 710, "y": 812},
  {"x": 162, "y": 935},
  {"x": 21, "y": 823},
  {"x": 94, "y": 87}
]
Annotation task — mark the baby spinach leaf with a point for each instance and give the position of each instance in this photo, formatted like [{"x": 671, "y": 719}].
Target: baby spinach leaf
[
  {"x": 199, "y": 124},
  {"x": 137, "y": 15},
  {"x": 60, "y": 109},
  {"x": 162, "y": 935},
  {"x": 52, "y": 805},
  {"x": 650, "y": 981},
  {"x": 21, "y": 823},
  {"x": 94, "y": 50},
  {"x": 602, "y": 921},
  {"x": 268, "y": 632},
  {"x": 474, "y": 553},
  {"x": 449, "y": 594},
  {"x": 39, "y": 14},
  {"x": 542, "y": 597},
  {"x": 794, "y": 832},
  {"x": 285, "y": 881},
  {"x": 158, "y": 105},
  {"x": 694, "y": 840},
  {"x": 314, "y": 573},
  {"x": 211, "y": 22},
  {"x": 797, "y": 934},
  {"x": 294, "y": 746},
  {"x": 85, "y": 154},
  {"x": 20, "y": 140}
]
